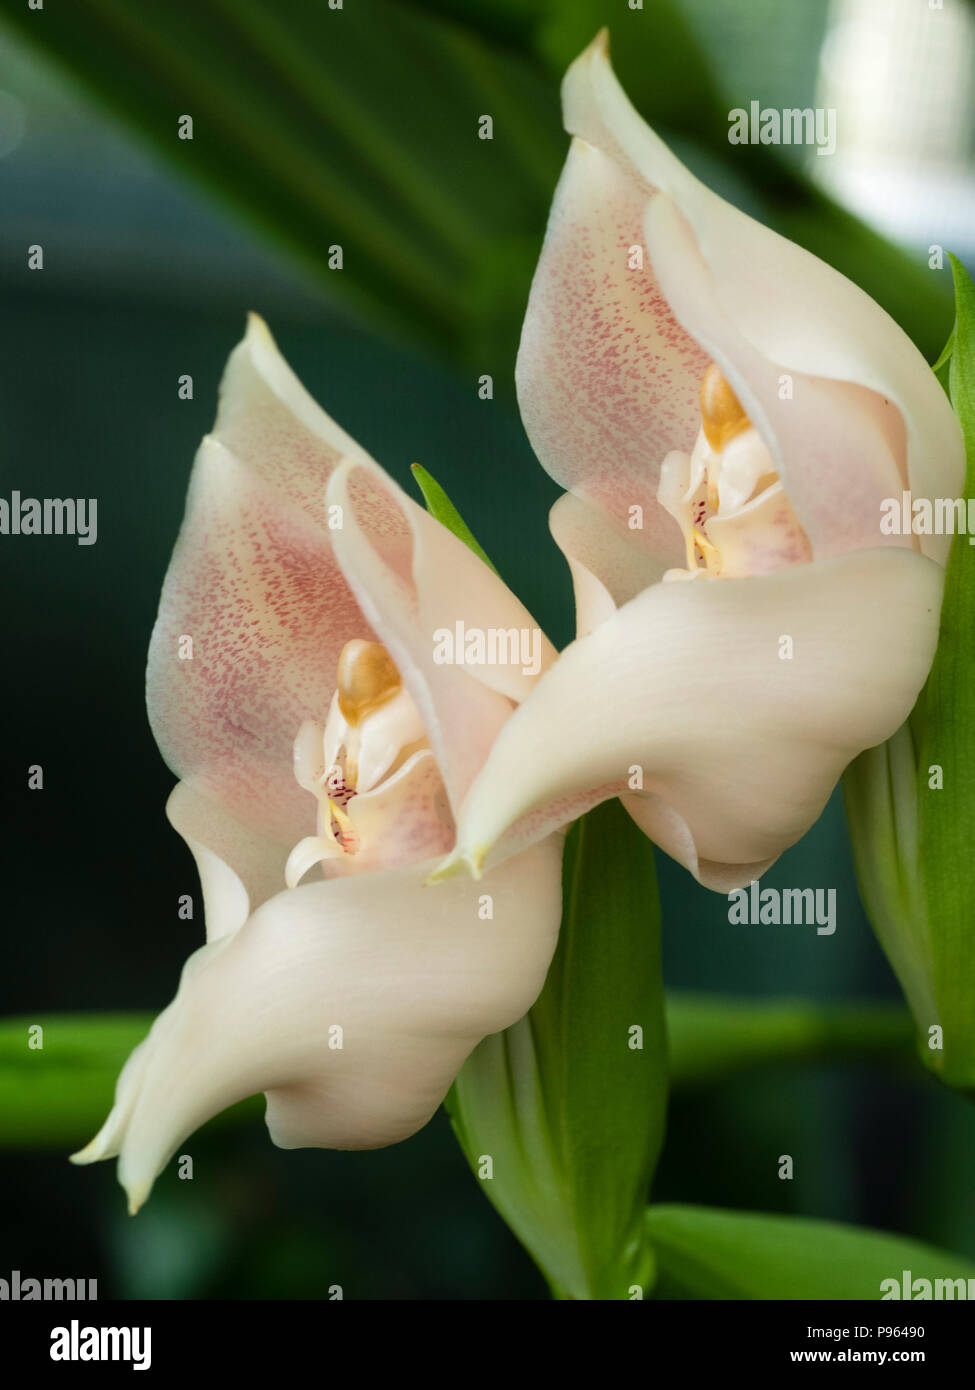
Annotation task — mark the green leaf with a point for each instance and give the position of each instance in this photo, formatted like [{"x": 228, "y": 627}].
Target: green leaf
[
  {"x": 944, "y": 730},
  {"x": 880, "y": 792},
  {"x": 567, "y": 1107},
  {"x": 357, "y": 127},
  {"x": 944, "y": 356},
  {"x": 354, "y": 128},
  {"x": 713, "y": 1254},
  {"x": 962, "y": 347},
  {"x": 711, "y": 1037},
  {"x": 58, "y": 1095},
  {"x": 913, "y": 840},
  {"x": 440, "y": 506}
]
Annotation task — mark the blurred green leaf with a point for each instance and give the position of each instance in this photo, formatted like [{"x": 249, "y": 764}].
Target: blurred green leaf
[
  {"x": 569, "y": 1104},
  {"x": 358, "y": 128},
  {"x": 58, "y": 1095},
  {"x": 713, "y": 1254},
  {"x": 354, "y": 128},
  {"x": 913, "y": 841},
  {"x": 944, "y": 728},
  {"x": 666, "y": 73},
  {"x": 711, "y": 1037},
  {"x": 656, "y": 56}
]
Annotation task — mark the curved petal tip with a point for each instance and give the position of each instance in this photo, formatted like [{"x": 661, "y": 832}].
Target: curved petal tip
[
  {"x": 137, "y": 1194},
  {"x": 89, "y": 1154},
  {"x": 137, "y": 1190}
]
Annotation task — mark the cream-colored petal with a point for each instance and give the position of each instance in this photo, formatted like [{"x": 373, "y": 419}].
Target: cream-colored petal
[
  {"x": 387, "y": 731},
  {"x": 408, "y": 979},
  {"x": 309, "y": 852},
  {"x": 239, "y": 866},
  {"x": 404, "y": 821},
  {"x": 255, "y": 609},
  {"x": 607, "y": 378},
  {"x": 271, "y": 424},
  {"x": 609, "y": 566},
  {"x": 743, "y": 463},
  {"x": 666, "y": 828},
  {"x": 310, "y": 762},
  {"x": 413, "y": 577},
  {"x": 254, "y": 585},
  {"x": 692, "y": 688},
  {"x": 612, "y": 356},
  {"x": 256, "y": 606},
  {"x": 756, "y": 298},
  {"x": 762, "y": 536},
  {"x": 838, "y": 447},
  {"x": 253, "y": 615}
]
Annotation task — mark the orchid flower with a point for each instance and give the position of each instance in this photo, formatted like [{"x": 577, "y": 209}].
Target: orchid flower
[
  {"x": 727, "y": 414},
  {"x": 292, "y": 688}
]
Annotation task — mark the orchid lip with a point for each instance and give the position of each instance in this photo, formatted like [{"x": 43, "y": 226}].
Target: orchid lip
[
  {"x": 372, "y": 732},
  {"x": 728, "y": 477}
]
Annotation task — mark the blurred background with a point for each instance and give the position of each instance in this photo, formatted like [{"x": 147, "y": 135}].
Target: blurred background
[{"x": 357, "y": 127}]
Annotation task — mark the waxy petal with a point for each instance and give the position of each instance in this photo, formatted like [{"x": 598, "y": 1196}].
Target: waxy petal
[
  {"x": 268, "y": 586},
  {"x": 404, "y": 821},
  {"x": 413, "y": 977},
  {"x": 611, "y": 357},
  {"x": 738, "y": 743},
  {"x": 239, "y": 866},
  {"x": 762, "y": 536},
  {"x": 607, "y": 378},
  {"x": 838, "y": 447},
  {"x": 609, "y": 565},
  {"x": 412, "y": 578},
  {"x": 271, "y": 424},
  {"x": 254, "y": 586}
]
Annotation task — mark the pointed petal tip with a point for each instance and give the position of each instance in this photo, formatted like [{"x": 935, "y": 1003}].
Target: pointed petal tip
[
  {"x": 597, "y": 50},
  {"x": 95, "y": 1150},
  {"x": 257, "y": 326},
  {"x": 137, "y": 1194}
]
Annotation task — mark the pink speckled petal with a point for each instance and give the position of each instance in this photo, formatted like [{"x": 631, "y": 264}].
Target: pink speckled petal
[
  {"x": 351, "y": 1003},
  {"x": 838, "y": 447},
  {"x": 607, "y": 379},
  {"x": 688, "y": 683},
  {"x": 255, "y": 585},
  {"x": 867, "y": 412},
  {"x": 270, "y": 423}
]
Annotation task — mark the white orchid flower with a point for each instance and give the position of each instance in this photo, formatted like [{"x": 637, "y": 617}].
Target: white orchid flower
[
  {"x": 292, "y": 687},
  {"x": 728, "y": 414}
]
